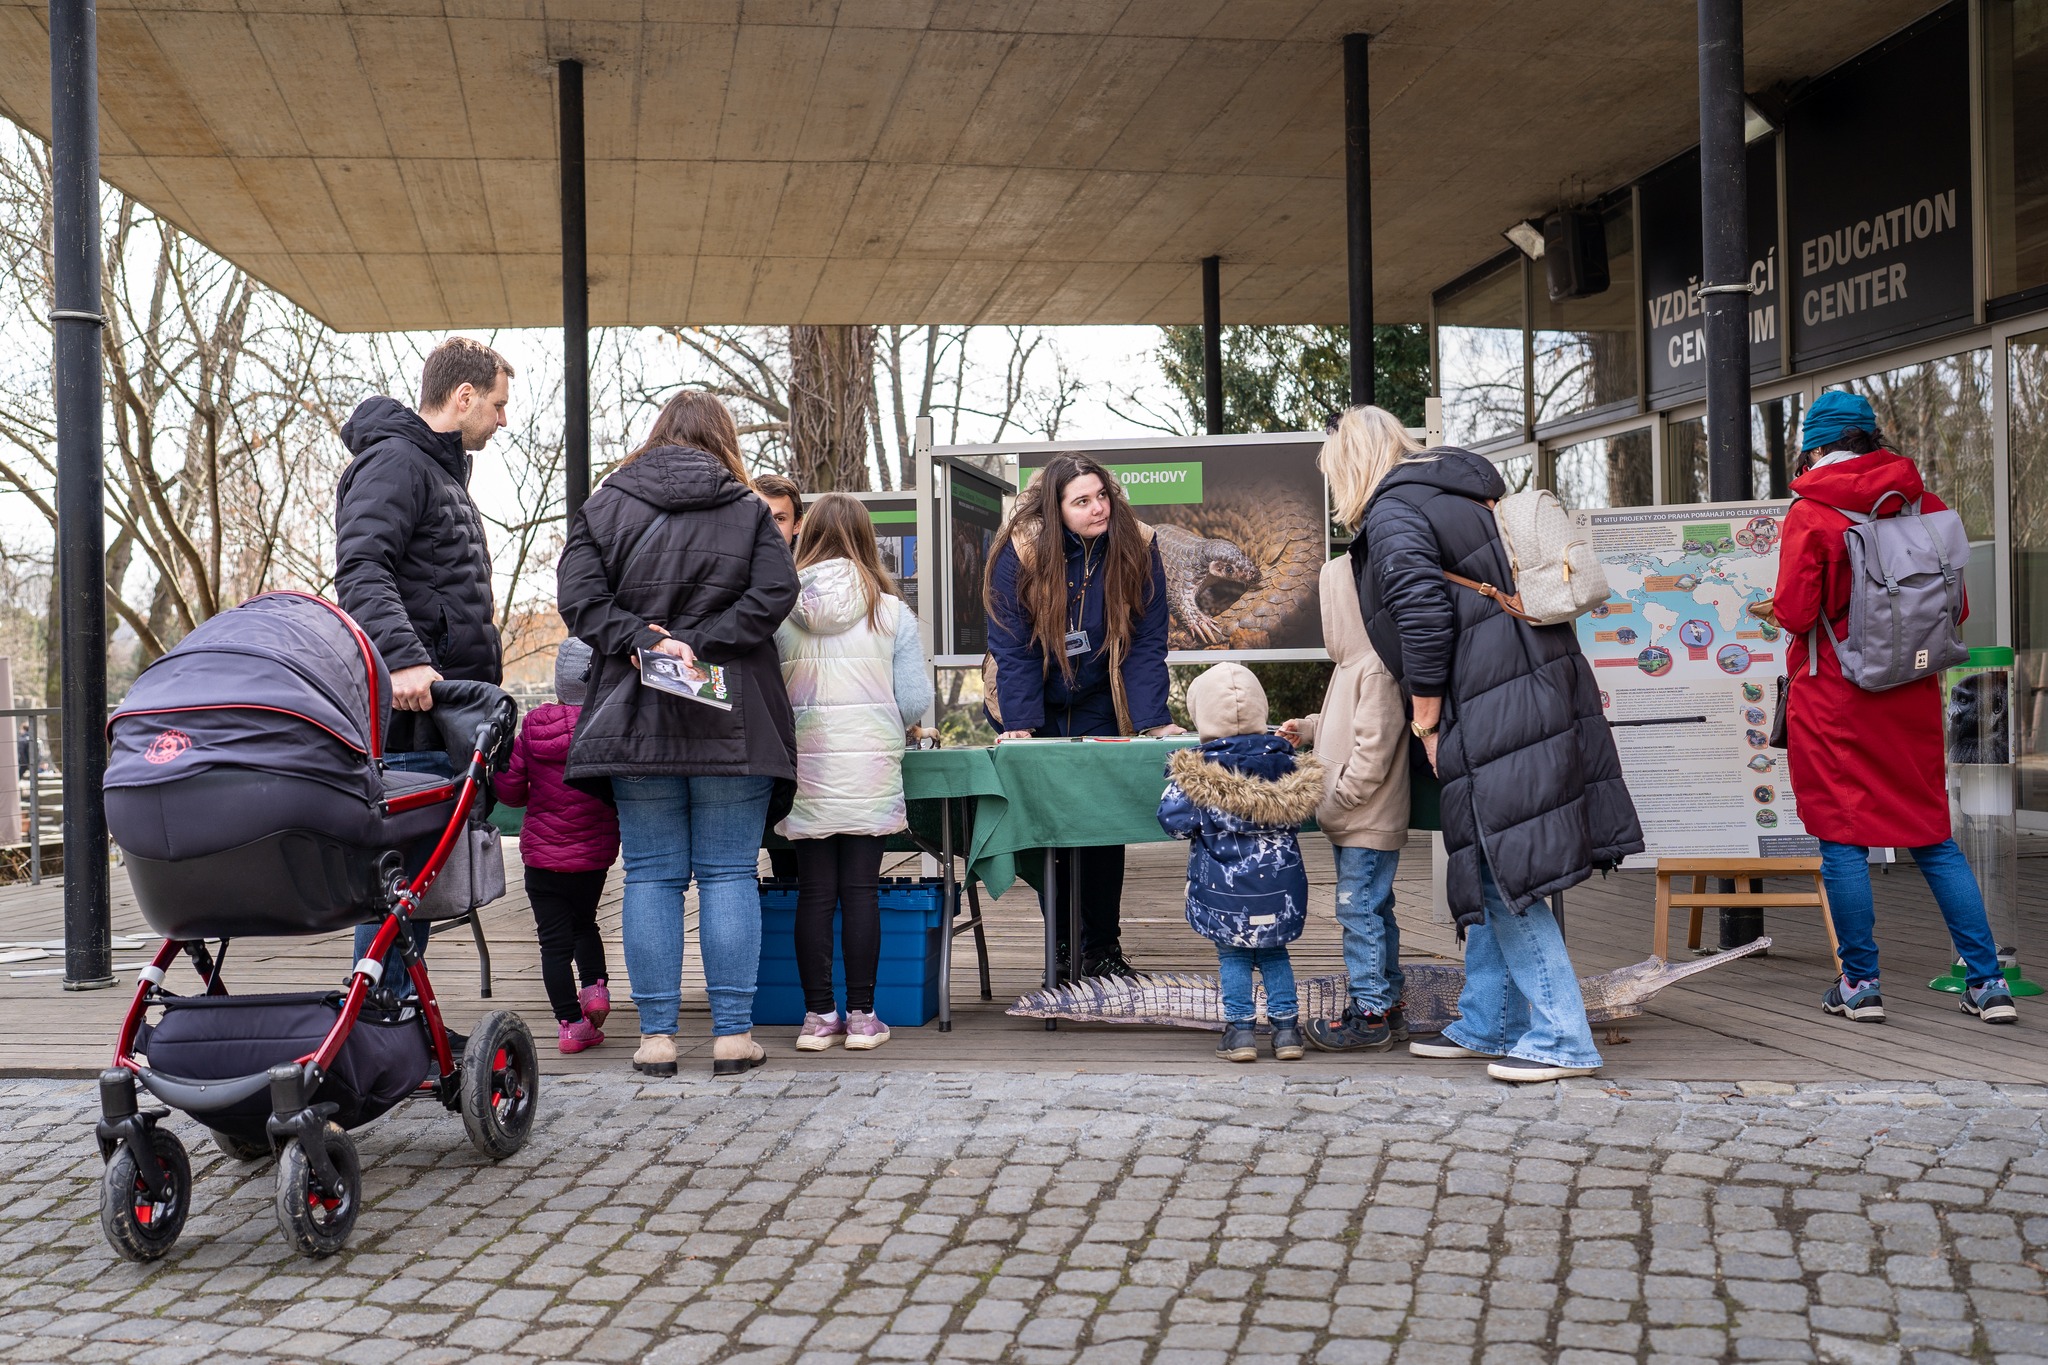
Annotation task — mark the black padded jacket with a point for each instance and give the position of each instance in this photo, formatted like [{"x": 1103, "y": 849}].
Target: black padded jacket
[
  {"x": 1531, "y": 780},
  {"x": 410, "y": 560},
  {"x": 717, "y": 575}
]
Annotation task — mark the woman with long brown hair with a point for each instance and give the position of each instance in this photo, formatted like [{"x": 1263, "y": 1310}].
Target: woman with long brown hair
[
  {"x": 1076, "y": 599},
  {"x": 853, "y": 662},
  {"x": 674, "y": 554}
]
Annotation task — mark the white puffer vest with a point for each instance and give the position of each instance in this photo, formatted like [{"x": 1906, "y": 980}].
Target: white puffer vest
[{"x": 849, "y": 735}]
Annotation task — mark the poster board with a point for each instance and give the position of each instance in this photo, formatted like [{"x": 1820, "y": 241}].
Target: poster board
[
  {"x": 1676, "y": 645},
  {"x": 895, "y": 518},
  {"x": 1251, "y": 597},
  {"x": 973, "y": 504}
]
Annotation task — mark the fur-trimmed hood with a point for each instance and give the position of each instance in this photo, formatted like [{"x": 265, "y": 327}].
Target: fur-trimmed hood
[{"x": 1287, "y": 800}]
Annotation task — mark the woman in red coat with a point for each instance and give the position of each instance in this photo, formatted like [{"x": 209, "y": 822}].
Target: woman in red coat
[{"x": 1868, "y": 767}]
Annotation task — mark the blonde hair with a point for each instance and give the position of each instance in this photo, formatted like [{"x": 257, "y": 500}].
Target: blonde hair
[
  {"x": 839, "y": 527},
  {"x": 1366, "y": 444}
]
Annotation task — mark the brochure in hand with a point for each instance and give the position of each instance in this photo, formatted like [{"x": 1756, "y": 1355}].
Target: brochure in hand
[{"x": 696, "y": 680}]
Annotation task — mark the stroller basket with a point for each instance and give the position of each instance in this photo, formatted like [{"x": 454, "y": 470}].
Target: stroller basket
[{"x": 208, "y": 1040}]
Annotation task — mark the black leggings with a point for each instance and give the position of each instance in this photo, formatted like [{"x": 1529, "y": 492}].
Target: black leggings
[
  {"x": 565, "y": 914},
  {"x": 842, "y": 870},
  {"x": 1100, "y": 872}
]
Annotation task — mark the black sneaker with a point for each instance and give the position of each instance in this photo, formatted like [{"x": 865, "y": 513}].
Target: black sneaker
[
  {"x": 1287, "y": 1040},
  {"x": 1110, "y": 963},
  {"x": 1397, "y": 1021},
  {"x": 1239, "y": 1043},
  {"x": 1354, "y": 1032},
  {"x": 1521, "y": 1070},
  {"x": 1991, "y": 1002},
  {"x": 1438, "y": 1047}
]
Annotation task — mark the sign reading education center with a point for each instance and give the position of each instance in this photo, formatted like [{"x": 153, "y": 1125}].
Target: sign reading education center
[
  {"x": 1688, "y": 676},
  {"x": 1242, "y": 527},
  {"x": 1676, "y": 323},
  {"x": 1877, "y": 175}
]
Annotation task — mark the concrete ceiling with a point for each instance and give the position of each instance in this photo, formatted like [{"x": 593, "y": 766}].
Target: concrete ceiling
[{"x": 392, "y": 163}]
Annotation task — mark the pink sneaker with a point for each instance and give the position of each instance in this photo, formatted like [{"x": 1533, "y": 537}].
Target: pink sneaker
[
  {"x": 864, "y": 1031},
  {"x": 577, "y": 1036},
  {"x": 820, "y": 1031},
  {"x": 596, "y": 1003}
]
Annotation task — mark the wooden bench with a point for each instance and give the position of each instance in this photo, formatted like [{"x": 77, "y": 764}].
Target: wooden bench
[{"x": 1737, "y": 869}]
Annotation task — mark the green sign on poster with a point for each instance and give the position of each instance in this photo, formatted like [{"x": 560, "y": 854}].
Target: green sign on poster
[{"x": 1158, "y": 484}]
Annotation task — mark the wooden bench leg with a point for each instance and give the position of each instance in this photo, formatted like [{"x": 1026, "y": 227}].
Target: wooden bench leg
[
  {"x": 1692, "y": 933},
  {"x": 1660, "y": 927},
  {"x": 1827, "y": 917}
]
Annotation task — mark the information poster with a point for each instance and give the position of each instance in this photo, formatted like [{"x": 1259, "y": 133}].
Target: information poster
[
  {"x": 974, "y": 513},
  {"x": 895, "y": 518},
  {"x": 1688, "y": 676},
  {"x": 1242, "y": 532}
]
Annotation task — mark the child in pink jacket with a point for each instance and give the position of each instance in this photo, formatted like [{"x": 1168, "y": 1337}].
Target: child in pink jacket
[{"x": 569, "y": 841}]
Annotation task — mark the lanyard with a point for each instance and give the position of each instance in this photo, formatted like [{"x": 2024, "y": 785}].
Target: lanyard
[{"x": 1087, "y": 576}]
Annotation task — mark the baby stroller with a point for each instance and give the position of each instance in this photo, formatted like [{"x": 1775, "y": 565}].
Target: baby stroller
[{"x": 246, "y": 787}]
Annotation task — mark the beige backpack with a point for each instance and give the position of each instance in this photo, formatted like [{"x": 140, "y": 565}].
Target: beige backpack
[{"x": 1557, "y": 577}]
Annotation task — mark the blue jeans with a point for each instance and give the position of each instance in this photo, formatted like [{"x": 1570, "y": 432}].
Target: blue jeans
[
  {"x": 1372, "y": 939},
  {"x": 1521, "y": 996},
  {"x": 1845, "y": 868},
  {"x": 430, "y": 761},
  {"x": 1234, "y": 966},
  {"x": 671, "y": 828}
]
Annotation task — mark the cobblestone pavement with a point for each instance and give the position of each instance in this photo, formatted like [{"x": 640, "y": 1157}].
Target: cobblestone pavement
[{"x": 1265, "y": 1217}]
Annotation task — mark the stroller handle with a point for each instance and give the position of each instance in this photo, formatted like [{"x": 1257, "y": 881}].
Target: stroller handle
[{"x": 474, "y": 717}]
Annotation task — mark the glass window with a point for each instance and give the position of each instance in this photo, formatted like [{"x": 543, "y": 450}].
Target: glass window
[
  {"x": 1586, "y": 348},
  {"x": 2016, "y": 143},
  {"x": 1773, "y": 444},
  {"x": 1612, "y": 471},
  {"x": 1518, "y": 471},
  {"x": 2027, "y": 430},
  {"x": 1938, "y": 415},
  {"x": 1479, "y": 357}
]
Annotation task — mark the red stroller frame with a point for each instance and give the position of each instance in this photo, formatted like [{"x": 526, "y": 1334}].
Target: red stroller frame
[{"x": 491, "y": 1078}]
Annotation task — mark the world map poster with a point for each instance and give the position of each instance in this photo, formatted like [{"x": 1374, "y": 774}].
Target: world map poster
[{"x": 1688, "y": 676}]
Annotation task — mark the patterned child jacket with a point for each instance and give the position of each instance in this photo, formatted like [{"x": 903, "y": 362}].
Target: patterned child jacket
[{"x": 1240, "y": 801}]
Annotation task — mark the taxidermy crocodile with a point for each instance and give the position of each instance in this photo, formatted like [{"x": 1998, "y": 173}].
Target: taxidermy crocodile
[
  {"x": 1185, "y": 1000},
  {"x": 1194, "y": 564}
]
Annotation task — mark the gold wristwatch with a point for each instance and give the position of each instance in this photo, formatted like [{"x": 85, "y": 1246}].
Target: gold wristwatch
[{"x": 1424, "y": 731}]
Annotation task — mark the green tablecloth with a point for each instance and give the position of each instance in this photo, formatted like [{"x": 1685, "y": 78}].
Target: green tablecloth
[
  {"x": 1027, "y": 797},
  {"x": 1044, "y": 795}
]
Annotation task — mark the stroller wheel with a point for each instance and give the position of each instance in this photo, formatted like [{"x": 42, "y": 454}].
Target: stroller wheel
[
  {"x": 500, "y": 1084},
  {"x": 137, "y": 1225},
  {"x": 319, "y": 1220},
  {"x": 239, "y": 1148}
]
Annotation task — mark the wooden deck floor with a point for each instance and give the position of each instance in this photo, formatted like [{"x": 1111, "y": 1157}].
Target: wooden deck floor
[{"x": 1755, "y": 1019}]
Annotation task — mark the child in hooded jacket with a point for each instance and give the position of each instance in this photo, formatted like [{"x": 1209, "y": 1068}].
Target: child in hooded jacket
[
  {"x": 568, "y": 842},
  {"x": 1239, "y": 799},
  {"x": 853, "y": 662}
]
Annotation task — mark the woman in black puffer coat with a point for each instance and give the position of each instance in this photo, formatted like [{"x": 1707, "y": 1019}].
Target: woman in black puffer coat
[
  {"x": 1509, "y": 715},
  {"x": 675, "y": 553}
]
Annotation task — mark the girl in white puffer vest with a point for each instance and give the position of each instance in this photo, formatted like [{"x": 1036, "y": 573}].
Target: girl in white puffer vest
[{"x": 853, "y": 663}]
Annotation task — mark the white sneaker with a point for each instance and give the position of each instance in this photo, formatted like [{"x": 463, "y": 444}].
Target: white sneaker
[
  {"x": 864, "y": 1032},
  {"x": 1522, "y": 1070},
  {"x": 1440, "y": 1046}
]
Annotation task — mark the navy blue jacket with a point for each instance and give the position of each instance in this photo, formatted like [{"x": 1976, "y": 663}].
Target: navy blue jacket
[
  {"x": 1240, "y": 802},
  {"x": 1031, "y": 694}
]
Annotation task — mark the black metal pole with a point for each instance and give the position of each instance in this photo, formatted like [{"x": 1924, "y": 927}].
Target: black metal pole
[
  {"x": 1358, "y": 211},
  {"x": 575, "y": 296},
  {"x": 1212, "y": 341},
  {"x": 75, "y": 324},
  {"x": 1724, "y": 253}
]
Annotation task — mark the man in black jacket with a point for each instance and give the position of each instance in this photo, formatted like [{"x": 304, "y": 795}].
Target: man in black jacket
[{"x": 411, "y": 562}]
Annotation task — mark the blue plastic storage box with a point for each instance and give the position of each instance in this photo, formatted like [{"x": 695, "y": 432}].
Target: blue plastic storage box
[{"x": 906, "y": 974}]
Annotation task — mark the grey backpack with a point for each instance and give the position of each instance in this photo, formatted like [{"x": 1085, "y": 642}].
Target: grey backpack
[{"x": 1905, "y": 596}]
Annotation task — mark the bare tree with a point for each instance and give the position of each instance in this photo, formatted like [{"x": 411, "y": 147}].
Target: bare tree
[
  {"x": 220, "y": 412},
  {"x": 831, "y": 392}
]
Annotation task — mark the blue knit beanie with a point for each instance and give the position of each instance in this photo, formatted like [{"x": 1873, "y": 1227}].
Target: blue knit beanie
[{"x": 1833, "y": 413}]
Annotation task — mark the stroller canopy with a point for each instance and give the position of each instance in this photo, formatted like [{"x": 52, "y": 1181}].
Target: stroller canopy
[{"x": 285, "y": 683}]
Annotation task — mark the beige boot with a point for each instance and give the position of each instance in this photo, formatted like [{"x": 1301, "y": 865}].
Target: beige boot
[
  {"x": 735, "y": 1054},
  {"x": 656, "y": 1055}
]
